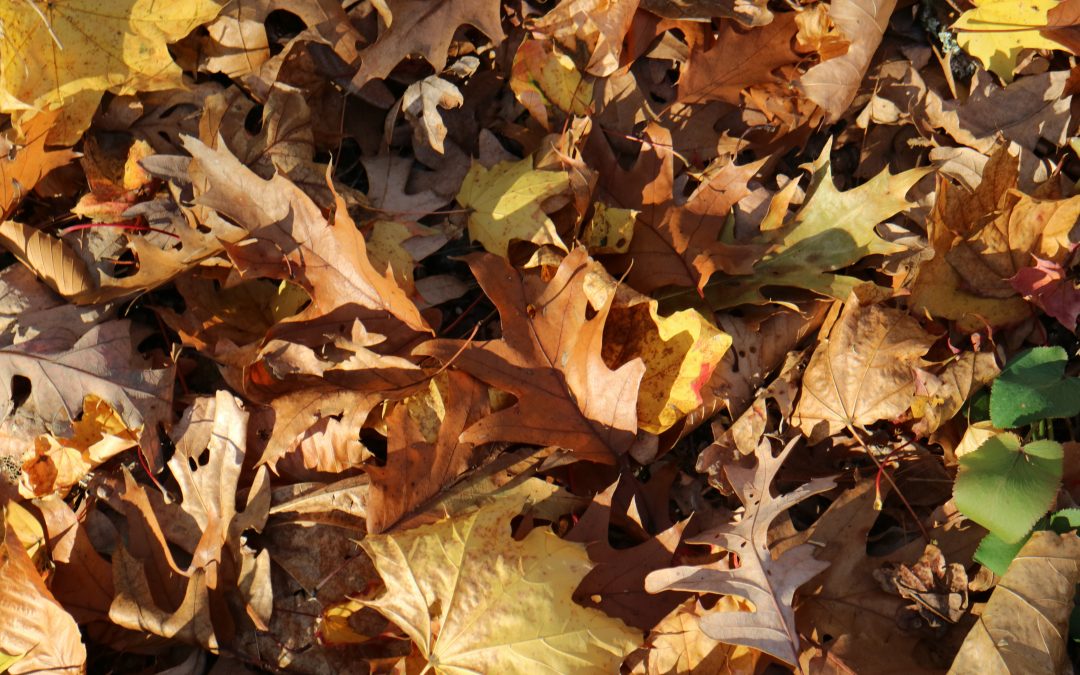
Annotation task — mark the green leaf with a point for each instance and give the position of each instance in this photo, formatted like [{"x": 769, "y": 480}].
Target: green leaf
[
  {"x": 1033, "y": 387},
  {"x": 996, "y": 554},
  {"x": 1005, "y": 487}
]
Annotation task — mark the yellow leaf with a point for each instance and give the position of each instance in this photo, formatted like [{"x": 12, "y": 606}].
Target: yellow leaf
[
  {"x": 680, "y": 353},
  {"x": 544, "y": 80},
  {"x": 474, "y": 600},
  {"x": 995, "y": 31},
  {"x": 59, "y": 463},
  {"x": 610, "y": 230},
  {"x": 507, "y": 204},
  {"x": 67, "y": 53}
]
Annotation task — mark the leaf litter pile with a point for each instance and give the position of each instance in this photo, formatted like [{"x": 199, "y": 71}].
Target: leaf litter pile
[{"x": 561, "y": 336}]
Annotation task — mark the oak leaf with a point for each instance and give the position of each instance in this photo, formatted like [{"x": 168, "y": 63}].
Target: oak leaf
[
  {"x": 549, "y": 358},
  {"x": 473, "y": 599},
  {"x": 591, "y": 30},
  {"x": 119, "y": 46},
  {"x": 768, "y": 583},
  {"x": 290, "y": 236},
  {"x": 676, "y": 645},
  {"x": 416, "y": 27},
  {"x": 831, "y": 230},
  {"x": 863, "y": 372},
  {"x": 543, "y": 79},
  {"x": 31, "y": 162},
  {"x": 675, "y": 242}
]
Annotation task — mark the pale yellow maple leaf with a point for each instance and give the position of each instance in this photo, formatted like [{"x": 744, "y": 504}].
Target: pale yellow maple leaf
[
  {"x": 474, "y": 600},
  {"x": 995, "y": 31},
  {"x": 67, "y": 53},
  {"x": 507, "y": 203}
]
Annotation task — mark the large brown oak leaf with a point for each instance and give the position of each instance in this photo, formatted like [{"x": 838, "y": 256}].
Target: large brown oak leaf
[{"x": 549, "y": 358}]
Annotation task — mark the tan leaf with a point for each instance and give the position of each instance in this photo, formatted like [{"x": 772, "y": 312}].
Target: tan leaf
[
  {"x": 1024, "y": 625},
  {"x": 36, "y": 628},
  {"x": 863, "y": 372}
]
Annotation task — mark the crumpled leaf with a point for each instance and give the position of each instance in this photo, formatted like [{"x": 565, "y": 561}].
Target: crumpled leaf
[
  {"x": 472, "y": 599},
  {"x": 421, "y": 102},
  {"x": 863, "y": 372},
  {"x": 118, "y": 46},
  {"x": 549, "y": 358},
  {"x": 507, "y": 204},
  {"x": 1024, "y": 625},
  {"x": 56, "y": 464},
  {"x": 591, "y": 30},
  {"x": 768, "y": 583},
  {"x": 38, "y": 635}
]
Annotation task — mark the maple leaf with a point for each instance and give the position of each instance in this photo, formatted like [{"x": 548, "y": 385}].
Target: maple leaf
[
  {"x": 863, "y": 372},
  {"x": 995, "y": 31},
  {"x": 591, "y": 30},
  {"x": 549, "y": 358},
  {"x": 507, "y": 204},
  {"x": 768, "y": 583},
  {"x": 544, "y": 78},
  {"x": 830, "y": 231},
  {"x": 416, "y": 27},
  {"x": 473, "y": 599},
  {"x": 67, "y": 53}
]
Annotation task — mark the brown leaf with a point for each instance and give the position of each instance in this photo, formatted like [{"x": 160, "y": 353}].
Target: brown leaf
[
  {"x": 674, "y": 243},
  {"x": 833, "y": 83},
  {"x": 36, "y": 627},
  {"x": 50, "y": 258},
  {"x": 424, "y": 451},
  {"x": 103, "y": 362},
  {"x": 863, "y": 372},
  {"x": 1024, "y": 626},
  {"x": 305, "y": 425},
  {"x": 768, "y": 583},
  {"x": 549, "y": 358},
  {"x": 31, "y": 162},
  {"x": 590, "y": 30},
  {"x": 418, "y": 27},
  {"x": 289, "y": 237},
  {"x": 738, "y": 58}
]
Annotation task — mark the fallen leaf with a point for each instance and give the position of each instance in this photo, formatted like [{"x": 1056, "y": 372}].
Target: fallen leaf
[
  {"x": 472, "y": 598},
  {"x": 832, "y": 84},
  {"x": 549, "y": 358},
  {"x": 119, "y": 46},
  {"x": 768, "y": 584},
  {"x": 1024, "y": 625},
  {"x": 994, "y": 32},
  {"x": 863, "y": 372},
  {"x": 38, "y": 636},
  {"x": 31, "y": 162},
  {"x": 544, "y": 78},
  {"x": 507, "y": 204},
  {"x": 677, "y": 645},
  {"x": 414, "y": 27}
]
